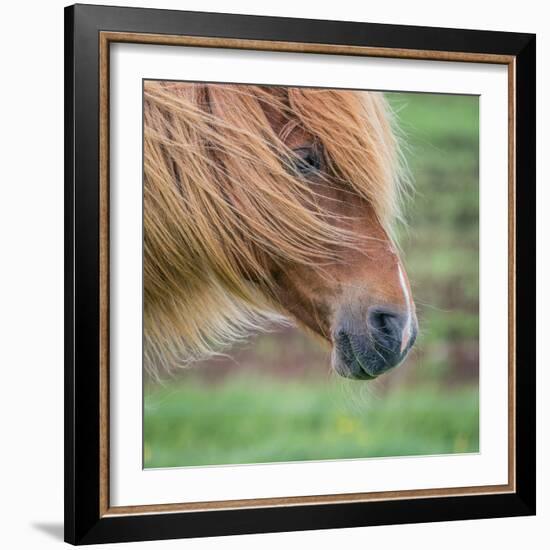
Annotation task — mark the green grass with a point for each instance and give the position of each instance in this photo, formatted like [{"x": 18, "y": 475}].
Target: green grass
[{"x": 252, "y": 420}]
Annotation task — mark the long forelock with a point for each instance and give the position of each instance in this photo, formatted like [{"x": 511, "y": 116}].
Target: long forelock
[{"x": 221, "y": 195}]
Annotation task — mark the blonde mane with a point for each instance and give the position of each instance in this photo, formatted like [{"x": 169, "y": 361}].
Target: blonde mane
[{"x": 221, "y": 194}]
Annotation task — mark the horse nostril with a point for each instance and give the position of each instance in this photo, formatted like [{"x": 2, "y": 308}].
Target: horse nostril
[{"x": 386, "y": 326}]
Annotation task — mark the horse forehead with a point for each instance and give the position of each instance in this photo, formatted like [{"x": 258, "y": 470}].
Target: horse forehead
[{"x": 281, "y": 119}]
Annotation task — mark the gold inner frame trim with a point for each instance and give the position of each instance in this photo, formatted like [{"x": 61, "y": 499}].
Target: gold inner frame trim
[{"x": 105, "y": 39}]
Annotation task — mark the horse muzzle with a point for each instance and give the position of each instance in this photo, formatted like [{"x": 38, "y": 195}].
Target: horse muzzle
[{"x": 366, "y": 350}]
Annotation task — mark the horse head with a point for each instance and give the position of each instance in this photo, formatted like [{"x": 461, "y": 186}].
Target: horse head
[{"x": 262, "y": 199}]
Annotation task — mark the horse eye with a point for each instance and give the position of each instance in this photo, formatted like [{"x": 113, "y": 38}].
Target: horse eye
[{"x": 308, "y": 160}]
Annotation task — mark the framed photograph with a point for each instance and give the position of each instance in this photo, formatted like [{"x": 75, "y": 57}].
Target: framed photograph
[{"x": 300, "y": 283}]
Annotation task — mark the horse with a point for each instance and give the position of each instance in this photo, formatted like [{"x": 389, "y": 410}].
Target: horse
[{"x": 264, "y": 204}]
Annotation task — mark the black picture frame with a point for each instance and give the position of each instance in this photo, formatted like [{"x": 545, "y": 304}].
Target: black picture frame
[{"x": 84, "y": 524}]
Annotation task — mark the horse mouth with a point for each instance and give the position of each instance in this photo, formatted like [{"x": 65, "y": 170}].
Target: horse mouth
[
  {"x": 346, "y": 361},
  {"x": 361, "y": 358}
]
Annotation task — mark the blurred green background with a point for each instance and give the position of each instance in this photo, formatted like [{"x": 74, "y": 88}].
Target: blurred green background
[{"x": 275, "y": 398}]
